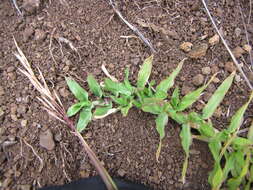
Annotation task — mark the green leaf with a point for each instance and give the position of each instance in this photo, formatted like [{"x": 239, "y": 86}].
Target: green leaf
[
  {"x": 102, "y": 110},
  {"x": 186, "y": 140},
  {"x": 76, "y": 108},
  {"x": 161, "y": 94},
  {"x": 84, "y": 119},
  {"x": 94, "y": 86},
  {"x": 206, "y": 129},
  {"x": 229, "y": 165},
  {"x": 116, "y": 87},
  {"x": 161, "y": 122},
  {"x": 152, "y": 105},
  {"x": 215, "y": 147},
  {"x": 238, "y": 117},
  {"x": 77, "y": 90},
  {"x": 195, "y": 118},
  {"x": 126, "y": 80},
  {"x": 250, "y": 132},
  {"x": 234, "y": 183},
  {"x": 124, "y": 110},
  {"x": 166, "y": 84},
  {"x": 144, "y": 72},
  {"x": 175, "y": 98},
  {"x": 217, "y": 177},
  {"x": 217, "y": 97},
  {"x": 190, "y": 98},
  {"x": 240, "y": 142}
]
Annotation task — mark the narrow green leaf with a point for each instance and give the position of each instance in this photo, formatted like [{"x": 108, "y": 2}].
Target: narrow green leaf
[
  {"x": 190, "y": 98},
  {"x": 161, "y": 122},
  {"x": 94, "y": 86},
  {"x": 144, "y": 72},
  {"x": 215, "y": 147},
  {"x": 102, "y": 110},
  {"x": 186, "y": 140},
  {"x": 240, "y": 142},
  {"x": 152, "y": 105},
  {"x": 166, "y": 84},
  {"x": 84, "y": 119},
  {"x": 229, "y": 165},
  {"x": 76, "y": 89},
  {"x": 217, "y": 178},
  {"x": 126, "y": 80},
  {"x": 238, "y": 117},
  {"x": 206, "y": 129},
  {"x": 180, "y": 118},
  {"x": 217, "y": 97},
  {"x": 76, "y": 108},
  {"x": 116, "y": 87},
  {"x": 250, "y": 132},
  {"x": 175, "y": 98}
]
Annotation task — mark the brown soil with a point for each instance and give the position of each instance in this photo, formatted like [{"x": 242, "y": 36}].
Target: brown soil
[{"x": 127, "y": 145}]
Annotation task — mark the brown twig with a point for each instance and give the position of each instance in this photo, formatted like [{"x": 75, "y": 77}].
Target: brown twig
[
  {"x": 227, "y": 47},
  {"x": 133, "y": 28}
]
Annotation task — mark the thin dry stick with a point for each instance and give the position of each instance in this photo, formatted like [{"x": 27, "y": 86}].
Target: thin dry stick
[
  {"x": 16, "y": 6},
  {"x": 226, "y": 45},
  {"x": 250, "y": 11},
  {"x": 35, "y": 153},
  {"x": 145, "y": 40},
  {"x": 246, "y": 32}
]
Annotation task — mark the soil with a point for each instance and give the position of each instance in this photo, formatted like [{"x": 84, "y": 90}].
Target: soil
[{"x": 126, "y": 145}]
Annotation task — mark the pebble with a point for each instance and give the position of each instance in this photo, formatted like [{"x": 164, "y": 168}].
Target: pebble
[
  {"x": 1, "y": 91},
  {"x": 121, "y": 172},
  {"x": 230, "y": 67},
  {"x": 206, "y": 70},
  {"x": 14, "y": 117},
  {"x": 24, "y": 123},
  {"x": 247, "y": 48},
  {"x": 238, "y": 32},
  {"x": 31, "y": 5},
  {"x": 238, "y": 51},
  {"x": 198, "y": 51},
  {"x": 186, "y": 89},
  {"x": 46, "y": 140},
  {"x": 64, "y": 92},
  {"x": 10, "y": 69},
  {"x": 237, "y": 78},
  {"x": 186, "y": 46},
  {"x": 28, "y": 34},
  {"x": 214, "y": 40},
  {"x": 40, "y": 35},
  {"x": 214, "y": 69},
  {"x": 198, "y": 80}
]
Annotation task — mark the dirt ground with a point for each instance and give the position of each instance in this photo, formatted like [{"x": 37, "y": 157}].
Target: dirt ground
[{"x": 126, "y": 145}]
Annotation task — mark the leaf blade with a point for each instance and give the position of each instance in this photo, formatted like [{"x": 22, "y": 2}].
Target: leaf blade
[
  {"x": 94, "y": 86},
  {"x": 84, "y": 118},
  {"x": 144, "y": 72},
  {"x": 76, "y": 89}
]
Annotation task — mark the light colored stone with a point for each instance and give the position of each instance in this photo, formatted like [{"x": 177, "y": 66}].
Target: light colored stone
[
  {"x": 238, "y": 51},
  {"x": 206, "y": 70},
  {"x": 46, "y": 140},
  {"x": 186, "y": 46},
  {"x": 198, "y": 51},
  {"x": 214, "y": 40}
]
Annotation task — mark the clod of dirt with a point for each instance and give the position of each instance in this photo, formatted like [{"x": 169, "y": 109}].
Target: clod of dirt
[
  {"x": 214, "y": 40},
  {"x": 40, "y": 35},
  {"x": 206, "y": 70},
  {"x": 46, "y": 140},
  {"x": 24, "y": 123},
  {"x": 28, "y": 34},
  {"x": 216, "y": 80},
  {"x": 64, "y": 92},
  {"x": 230, "y": 67},
  {"x": 186, "y": 46},
  {"x": 22, "y": 109},
  {"x": 31, "y": 6},
  {"x": 1, "y": 91},
  {"x": 198, "y": 51},
  {"x": 185, "y": 89},
  {"x": 238, "y": 51},
  {"x": 198, "y": 80},
  {"x": 247, "y": 48}
]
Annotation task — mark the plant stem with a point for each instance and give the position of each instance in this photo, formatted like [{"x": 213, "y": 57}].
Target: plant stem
[{"x": 97, "y": 164}]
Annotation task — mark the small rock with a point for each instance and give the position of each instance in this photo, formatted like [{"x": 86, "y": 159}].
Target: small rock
[
  {"x": 247, "y": 48},
  {"x": 121, "y": 172},
  {"x": 24, "y": 123},
  {"x": 238, "y": 51},
  {"x": 214, "y": 69},
  {"x": 25, "y": 187},
  {"x": 1, "y": 112},
  {"x": 238, "y": 32},
  {"x": 198, "y": 80},
  {"x": 1, "y": 91},
  {"x": 186, "y": 46},
  {"x": 230, "y": 67},
  {"x": 28, "y": 34},
  {"x": 214, "y": 40},
  {"x": 31, "y": 5},
  {"x": 46, "y": 140},
  {"x": 40, "y": 35},
  {"x": 10, "y": 69},
  {"x": 198, "y": 51},
  {"x": 14, "y": 117},
  {"x": 237, "y": 78},
  {"x": 206, "y": 70},
  {"x": 216, "y": 80},
  {"x": 64, "y": 92}
]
